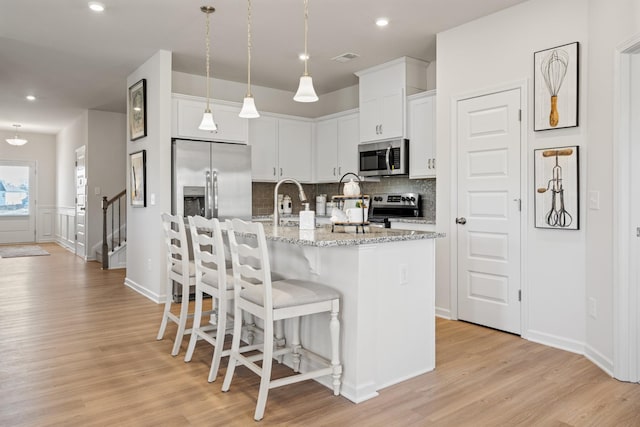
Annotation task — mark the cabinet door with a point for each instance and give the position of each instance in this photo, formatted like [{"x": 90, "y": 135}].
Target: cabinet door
[
  {"x": 422, "y": 161},
  {"x": 294, "y": 149},
  {"x": 348, "y": 131},
  {"x": 263, "y": 138},
  {"x": 326, "y": 150},
  {"x": 370, "y": 120},
  {"x": 392, "y": 114},
  {"x": 231, "y": 128}
]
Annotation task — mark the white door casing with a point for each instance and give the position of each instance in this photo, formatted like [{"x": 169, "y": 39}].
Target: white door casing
[
  {"x": 626, "y": 233},
  {"x": 489, "y": 210},
  {"x": 81, "y": 203}
]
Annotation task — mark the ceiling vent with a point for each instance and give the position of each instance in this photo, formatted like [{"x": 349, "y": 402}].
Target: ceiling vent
[{"x": 345, "y": 57}]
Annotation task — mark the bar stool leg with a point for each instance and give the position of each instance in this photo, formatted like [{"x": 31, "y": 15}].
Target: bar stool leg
[
  {"x": 267, "y": 362},
  {"x": 334, "y": 328},
  {"x": 295, "y": 344}
]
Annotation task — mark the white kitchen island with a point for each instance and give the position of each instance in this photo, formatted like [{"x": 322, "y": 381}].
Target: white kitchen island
[{"x": 387, "y": 283}]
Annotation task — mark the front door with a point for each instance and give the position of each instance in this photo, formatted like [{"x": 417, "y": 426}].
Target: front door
[
  {"x": 81, "y": 203},
  {"x": 17, "y": 201},
  {"x": 488, "y": 214}
]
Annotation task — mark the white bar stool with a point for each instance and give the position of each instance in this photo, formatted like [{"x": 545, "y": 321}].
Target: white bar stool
[
  {"x": 212, "y": 278},
  {"x": 275, "y": 301},
  {"x": 179, "y": 270}
]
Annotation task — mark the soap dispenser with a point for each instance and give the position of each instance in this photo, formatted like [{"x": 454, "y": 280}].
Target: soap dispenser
[{"x": 307, "y": 218}]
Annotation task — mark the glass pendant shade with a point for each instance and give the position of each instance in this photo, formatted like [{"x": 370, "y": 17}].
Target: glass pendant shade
[
  {"x": 249, "y": 110},
  {"x": 16, "y": 141},
  {"x": 207, "y": 122},
  {"x": 306, "y": 92}
]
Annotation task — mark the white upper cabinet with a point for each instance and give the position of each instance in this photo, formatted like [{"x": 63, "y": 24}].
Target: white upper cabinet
[
  {"x": 348, "y": 132},
  {"x": 280, "y": 148},
  {"x": 187, "y": 115},
  {"x": 336, "y": 147},
  {"x": 263, "y": 138},
  {"x": 294, "y": 149},
  {"x": 383, "y": 91},
  {"x": 326, "y": 150},
  {"x": 422, "y": 135}
]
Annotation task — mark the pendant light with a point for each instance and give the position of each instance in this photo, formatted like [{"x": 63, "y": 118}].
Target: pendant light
[
  {"x": 207, "y": 122},
  {"x": 16, "y": 140},
  {"x": 249, "y": 110},
  {"x": 305, "y": 92}
]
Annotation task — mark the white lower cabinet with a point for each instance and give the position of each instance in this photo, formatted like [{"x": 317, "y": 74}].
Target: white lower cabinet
[
  {"x": 187, "y": 115},
  {"x": 280, "y": 147},
  {"x": 422, "y": 135},
  {"x": 336, "y": 147}
]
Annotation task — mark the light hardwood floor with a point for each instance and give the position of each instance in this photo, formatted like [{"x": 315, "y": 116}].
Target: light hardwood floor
[{"x": 78, "y": 348}]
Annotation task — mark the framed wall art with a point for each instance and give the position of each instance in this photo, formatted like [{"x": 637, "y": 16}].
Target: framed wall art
[
  {"x": 138, "y": 179},
  {"x": 137, "y": 109},
  {"x": 557, "y": 190},
  {"x": 555, "y": 87}
]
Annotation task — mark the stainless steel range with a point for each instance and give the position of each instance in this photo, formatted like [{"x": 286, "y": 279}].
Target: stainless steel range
[{"x": 393, "y": 205}]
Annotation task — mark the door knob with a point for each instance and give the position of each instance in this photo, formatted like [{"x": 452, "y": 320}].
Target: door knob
[{"x": 462, "y": 220}]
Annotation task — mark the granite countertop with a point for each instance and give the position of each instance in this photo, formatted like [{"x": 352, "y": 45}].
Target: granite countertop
[{"x": 323, "y": 236}]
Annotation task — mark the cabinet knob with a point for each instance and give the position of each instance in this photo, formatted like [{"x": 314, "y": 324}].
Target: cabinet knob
[
  {"x": 429, "y": 164},
  {"x": 274, "y": 171},
  {"x": 334, "y": 171}
]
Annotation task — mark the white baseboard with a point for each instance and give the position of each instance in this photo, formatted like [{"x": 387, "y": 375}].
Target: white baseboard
[
  {"x": 556, "y": 342},
  {"x": 158, "y": 299},
  {"x": 599, "y": 359},
  {"x": 444, "y": 313},
  {"x": 65, "y": 245}
]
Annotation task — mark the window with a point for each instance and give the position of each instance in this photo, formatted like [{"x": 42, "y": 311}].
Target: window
[{"x": 14, "y": 190}]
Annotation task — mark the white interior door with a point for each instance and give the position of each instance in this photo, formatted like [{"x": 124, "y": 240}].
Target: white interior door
[
  {"x": 488, "y": 217},
  {"x": 81, "y": 202},
  {"x": 17, "y": 201}
]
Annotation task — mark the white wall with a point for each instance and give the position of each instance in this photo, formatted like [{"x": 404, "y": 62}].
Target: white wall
[
  {"x": 145, "y": 241},
  {"x": 106, "y": 167},
  {"x": 68, "y": 140},
  {"x": 610, "y": 24},
  {"x": 485, "y": 54},
  {"x": 41, "y": 148}
]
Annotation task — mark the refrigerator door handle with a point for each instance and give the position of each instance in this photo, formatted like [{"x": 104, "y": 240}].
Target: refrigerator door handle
[
  {"x": 207, "y": 195},
  {"x": 215, "y": 194}
]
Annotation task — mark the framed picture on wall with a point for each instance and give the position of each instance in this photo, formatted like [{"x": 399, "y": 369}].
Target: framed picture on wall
[
  {"x": 137, "y": 109},
  {"x": 557, "y": 191},
  {"x": 138, "y": 178},
  {"x": 555, "y": 87}
]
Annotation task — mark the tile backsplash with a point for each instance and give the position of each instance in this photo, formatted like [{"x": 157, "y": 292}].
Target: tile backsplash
[{"x": 263, "y": 193}]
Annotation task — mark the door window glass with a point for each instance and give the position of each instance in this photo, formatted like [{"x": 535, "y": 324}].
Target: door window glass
[{"x": 14, "y": 190}]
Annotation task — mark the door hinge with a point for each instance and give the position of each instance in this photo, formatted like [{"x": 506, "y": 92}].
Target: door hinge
[
  {"x": 519, "y": 295},
  {"x": 519, "y": 115},
  {"x": 76, "y": 237},
  {"x": 76, "y": 163},
  {"x": 638, "y": 232}
]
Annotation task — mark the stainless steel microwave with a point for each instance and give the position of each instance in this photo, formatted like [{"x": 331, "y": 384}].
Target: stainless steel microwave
[{"x": 384, "y": 158}]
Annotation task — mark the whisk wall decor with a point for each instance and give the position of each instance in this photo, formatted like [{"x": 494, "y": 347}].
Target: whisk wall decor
[
  {"x": 557, "y": 190},
  {"x": 556, "y": 87}
]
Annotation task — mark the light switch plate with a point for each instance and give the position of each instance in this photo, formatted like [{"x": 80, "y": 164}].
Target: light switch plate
[{"x": 153, "y": 199}]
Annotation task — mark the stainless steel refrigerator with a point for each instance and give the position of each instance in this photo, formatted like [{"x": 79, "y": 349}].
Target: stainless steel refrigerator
[{"x": 211, "y": 179}]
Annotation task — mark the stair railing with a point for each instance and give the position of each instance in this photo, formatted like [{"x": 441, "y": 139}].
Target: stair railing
[{"x": 114, "y": 223}]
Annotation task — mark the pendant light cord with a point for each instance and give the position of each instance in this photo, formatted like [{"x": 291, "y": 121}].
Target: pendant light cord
[
  {"x": 306, "y": 30},
  {"x": 249, "y": 46},
  {"x": 208, "y": 60}
]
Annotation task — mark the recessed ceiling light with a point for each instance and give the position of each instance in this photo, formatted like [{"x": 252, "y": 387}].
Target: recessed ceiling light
[
  {"x": 96, "y": 6},
  {"x": 382, "y": 22},
  {"x": 30, "y": 98},
  {"x": 302, "y": 57}
]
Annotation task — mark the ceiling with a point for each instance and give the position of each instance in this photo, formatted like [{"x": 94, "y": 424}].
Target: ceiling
[{"x": 73, "y": 59}]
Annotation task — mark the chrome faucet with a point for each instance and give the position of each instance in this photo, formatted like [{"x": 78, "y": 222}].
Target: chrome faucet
[{"x": 302, "y": 195}]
